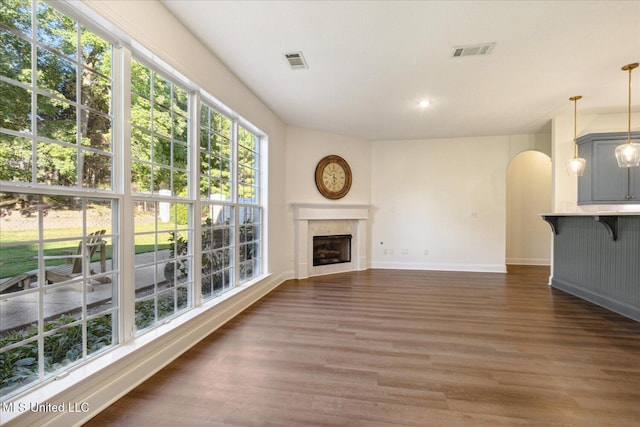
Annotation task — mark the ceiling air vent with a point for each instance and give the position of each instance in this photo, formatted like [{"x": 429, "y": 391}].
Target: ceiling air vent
[
  {"x": 296, "y": 60},
  {"x": 473, "y": 50}
]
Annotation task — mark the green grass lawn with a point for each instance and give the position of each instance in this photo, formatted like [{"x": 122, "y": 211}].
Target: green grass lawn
[{"x": 17, "y": 258}]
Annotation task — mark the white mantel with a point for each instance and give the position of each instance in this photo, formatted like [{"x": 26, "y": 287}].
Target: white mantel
[{"x": 308, "y": 216}]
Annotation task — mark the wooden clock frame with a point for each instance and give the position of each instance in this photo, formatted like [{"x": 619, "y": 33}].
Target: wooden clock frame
[{"x": 326, "y": 192}]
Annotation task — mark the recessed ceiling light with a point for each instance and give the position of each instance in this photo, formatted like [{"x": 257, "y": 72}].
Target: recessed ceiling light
[{"x": 424, "y": 103}]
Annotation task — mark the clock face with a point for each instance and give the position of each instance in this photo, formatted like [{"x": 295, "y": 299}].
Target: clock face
[{"x": 333, "y": 177}]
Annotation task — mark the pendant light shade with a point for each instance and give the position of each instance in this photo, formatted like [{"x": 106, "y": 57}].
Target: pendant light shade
[
  {"x": 628, "y": 155},
  {"x": 575, "y": 166}
]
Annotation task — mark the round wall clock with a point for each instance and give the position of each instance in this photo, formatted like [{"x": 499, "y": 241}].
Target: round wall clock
[{"x": 333, "y": 177}]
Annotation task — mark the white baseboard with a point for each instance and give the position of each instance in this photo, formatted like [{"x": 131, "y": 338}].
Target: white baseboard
[
  {"x": 479, "y": 268},
  {"x": 528, "y": 261}
]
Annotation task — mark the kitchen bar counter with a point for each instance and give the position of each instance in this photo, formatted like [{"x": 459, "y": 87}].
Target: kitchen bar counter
[{"x": 596, "y": 256}]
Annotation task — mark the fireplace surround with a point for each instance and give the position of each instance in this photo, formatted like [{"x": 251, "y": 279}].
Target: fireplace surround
[{"x": 324, "y": 220}]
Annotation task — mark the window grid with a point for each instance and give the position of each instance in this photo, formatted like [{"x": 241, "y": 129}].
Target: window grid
[
  {"x": 215, "y": 155},
  {"x": 218, "y": 253},
  {"x": 60, "y": 305},
  {"x": 250, "y": 242},
  {"x": 162, "y": 272},
  {"x": 56, "y": 135},
  {"x": 250, "y": 212},
  {"x": 64, "y": 310},
  {"x": 248, "y": 167},
  {"x": 218, "y": 219},
  {"x": 159, "y": 133},
  {"x": 63, "y": 116},
  {"x": 160, "y": 159}
]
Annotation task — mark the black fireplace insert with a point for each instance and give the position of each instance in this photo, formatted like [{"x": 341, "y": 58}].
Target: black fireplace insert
[{"x": 334, "y": 249}]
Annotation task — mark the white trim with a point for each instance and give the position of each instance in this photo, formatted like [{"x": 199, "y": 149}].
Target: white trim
[
  {"x": 316, "y": 211},
  {"x": 528, "y": 261},
  {"x": 478, "y": 268}
]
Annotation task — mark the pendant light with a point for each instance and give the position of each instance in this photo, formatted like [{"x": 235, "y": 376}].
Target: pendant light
[
  {"x": 628, "y": 154},
  {"x": 575, "y": 166}
]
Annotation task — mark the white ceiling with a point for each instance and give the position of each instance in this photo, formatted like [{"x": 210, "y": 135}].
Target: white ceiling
[{"x": 370, "y": 62}]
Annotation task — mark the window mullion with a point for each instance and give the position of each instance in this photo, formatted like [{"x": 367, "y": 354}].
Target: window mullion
[
  {"x": 262, "y": 201},
  {"x": 122, "y": 174},
  {"x": 194, "y": 195},
  {"x": 79, "y": 152},
  {"x": 34, "y": 95},
  {"x": 235, "y": 200}
]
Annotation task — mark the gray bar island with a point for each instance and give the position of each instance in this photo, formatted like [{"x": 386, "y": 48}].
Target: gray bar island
[{"x": 596, "y": 256}]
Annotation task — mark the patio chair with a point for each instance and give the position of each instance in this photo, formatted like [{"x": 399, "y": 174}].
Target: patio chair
[
  {"x": 12, "y": 284},
  {"x": 64, "y": 272}
]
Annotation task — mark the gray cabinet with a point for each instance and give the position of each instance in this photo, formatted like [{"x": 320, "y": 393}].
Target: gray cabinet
[{"x": 603, "y": 181}]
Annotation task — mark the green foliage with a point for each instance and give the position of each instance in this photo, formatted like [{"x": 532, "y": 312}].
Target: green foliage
[
  {"x": 180, "y": 215},
  {"x": 216, "y": 253},
  {"x": 180, "y": 211},
  {"x": 168, "y": 303},
  {"x": 57, "y": 75},
  {"x": 158, "y": 140},
  {"x": 145, "y": 314},
  {"x": 215, "y": 154},
  {"x": 19, "y": 365},
  {"x": 159, "y": 118}
]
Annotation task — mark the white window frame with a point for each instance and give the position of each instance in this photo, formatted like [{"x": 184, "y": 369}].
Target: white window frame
[{"x": 123, "y": 49}]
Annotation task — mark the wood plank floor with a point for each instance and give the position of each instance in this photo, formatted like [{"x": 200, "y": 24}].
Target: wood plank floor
[{"x": 403, "y": 348}]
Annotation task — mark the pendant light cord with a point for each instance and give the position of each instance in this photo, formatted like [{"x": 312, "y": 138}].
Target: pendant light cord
[
  {"x": 629, "y": 111},
  {"x": 575, "y": 124}
]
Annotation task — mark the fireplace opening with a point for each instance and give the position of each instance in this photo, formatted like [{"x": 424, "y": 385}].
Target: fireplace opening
[{"x": 333, "y": 249}]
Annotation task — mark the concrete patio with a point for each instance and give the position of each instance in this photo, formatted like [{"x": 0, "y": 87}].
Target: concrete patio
[{"x": 22, "y": 310}]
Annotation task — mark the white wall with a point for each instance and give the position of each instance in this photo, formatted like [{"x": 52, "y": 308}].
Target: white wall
[
  {"x": 421, "y": 199},
  {"x": 528, "y": 195},
  {"x": 436, "y": 209},
  {"x": 305, "y": 148}
]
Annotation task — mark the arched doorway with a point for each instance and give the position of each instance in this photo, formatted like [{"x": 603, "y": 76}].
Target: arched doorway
[{"x": 528, "y": 195}]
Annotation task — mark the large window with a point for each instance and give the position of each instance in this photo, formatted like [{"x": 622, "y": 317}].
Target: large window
[
  {"x": 159, "y": 130},
  {"x": 250, "y": 218},
  {"x": 59, "y": 303},
  {"x": 216, "y": 195},
  {"x": 118, "y": 194},
  {"x": 162, "y": 261},
  {"x": 160, "y": 169}
]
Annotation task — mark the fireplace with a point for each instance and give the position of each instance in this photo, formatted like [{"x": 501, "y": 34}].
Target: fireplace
[
  {"x": 330, "y": 219},
  {"x": 333, "y": 249}
]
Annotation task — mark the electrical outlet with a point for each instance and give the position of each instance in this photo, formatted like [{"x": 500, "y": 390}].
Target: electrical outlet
[
  {"x": 405, "y": 252},
  {"x": 426, "y": 251}
]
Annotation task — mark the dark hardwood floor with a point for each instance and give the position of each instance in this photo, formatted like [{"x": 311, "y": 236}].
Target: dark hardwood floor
[{"x": 394, "y": 348}]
